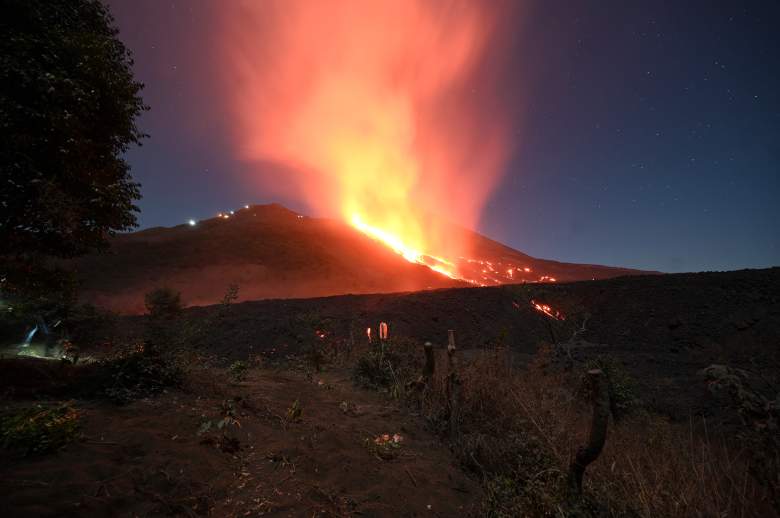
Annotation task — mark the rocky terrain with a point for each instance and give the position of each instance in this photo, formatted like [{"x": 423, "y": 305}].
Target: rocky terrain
[{"x": 664, "y": 329}]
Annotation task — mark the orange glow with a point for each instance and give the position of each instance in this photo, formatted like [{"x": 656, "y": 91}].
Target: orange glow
[
  {"x": 382, "y": 113},
  {"x": 547, "y": 310}
]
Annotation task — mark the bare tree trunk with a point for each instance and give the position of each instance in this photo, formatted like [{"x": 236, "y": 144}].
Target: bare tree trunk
[{"x": 589, "y": 452}]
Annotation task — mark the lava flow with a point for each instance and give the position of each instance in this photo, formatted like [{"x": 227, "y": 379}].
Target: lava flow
[
  {"x": 547, "y": 310},
  {"x": 410, "y": 254}
]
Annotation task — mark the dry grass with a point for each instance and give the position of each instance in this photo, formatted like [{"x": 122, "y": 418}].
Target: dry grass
[{"x": 518, "y": 430}]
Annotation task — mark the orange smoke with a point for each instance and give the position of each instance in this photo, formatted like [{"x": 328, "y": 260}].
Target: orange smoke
[{"x": 375, "y": 110}]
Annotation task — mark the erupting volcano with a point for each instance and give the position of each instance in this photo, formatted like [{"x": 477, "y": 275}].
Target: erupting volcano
[{"x": 385, "y": 114}]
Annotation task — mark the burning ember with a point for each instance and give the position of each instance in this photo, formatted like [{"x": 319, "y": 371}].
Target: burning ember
[{"x": 547, "y": 310}]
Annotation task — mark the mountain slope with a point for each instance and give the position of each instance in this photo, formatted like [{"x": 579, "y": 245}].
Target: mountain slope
[{"x": 272, "y": 252}]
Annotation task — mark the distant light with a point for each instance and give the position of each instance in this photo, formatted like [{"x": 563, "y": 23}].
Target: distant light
[
  {"x": 246, "y": 206},
  {"x": 192, "y": 222},
  {"x": 231, "y": 212}
]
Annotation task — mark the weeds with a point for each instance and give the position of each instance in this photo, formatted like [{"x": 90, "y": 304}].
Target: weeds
[
  {"x": 38, "y": 429},
  {"x": 294, "y": 413},
  {"x": 217, "y": 431},
  {"x": 238, "y": 371},
  {"x": 388, "y": 367}
]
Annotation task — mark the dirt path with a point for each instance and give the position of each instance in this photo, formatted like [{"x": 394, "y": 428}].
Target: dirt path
[{"x": 147, "y": 459}]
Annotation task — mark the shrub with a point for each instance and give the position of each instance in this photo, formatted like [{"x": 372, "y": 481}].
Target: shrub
[
  {"x": 388, "y": 366},
  {"x": 39, "y": 429},
  {"x": 759, "y": 432},
  {"x": 163, "y": 303},
  {"x": 140, "y": 374},
  {"x": 238, "y": 370},
  {"x": 217, "y": 431}
]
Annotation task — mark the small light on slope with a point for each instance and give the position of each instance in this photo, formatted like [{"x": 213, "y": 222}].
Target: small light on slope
[{"x": 192, "y": 222}]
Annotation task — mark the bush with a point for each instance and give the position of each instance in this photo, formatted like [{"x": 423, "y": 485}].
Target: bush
[
  {"x": 163, "y": 303},
  {"x": 39, "y": 429},
  {"x": 760, "y": 423},
  {"x": 388, "y": 366},
  {"x": 140, "y": 374},
  {"x": 217, "y": 431}
]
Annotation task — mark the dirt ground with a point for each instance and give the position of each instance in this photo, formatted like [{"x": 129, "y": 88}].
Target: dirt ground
[{"x": 147, "y": 458}]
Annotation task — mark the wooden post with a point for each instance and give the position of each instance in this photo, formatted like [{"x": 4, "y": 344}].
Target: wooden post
[
  {"x": 430, "y": 363},
  {"x": 351, "y": 344},
  {"x": 589, "y": 452},
  {"x": 453, "y": 386}
]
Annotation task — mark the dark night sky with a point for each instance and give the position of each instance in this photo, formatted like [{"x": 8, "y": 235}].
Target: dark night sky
[{"x": 649, "y": 133}]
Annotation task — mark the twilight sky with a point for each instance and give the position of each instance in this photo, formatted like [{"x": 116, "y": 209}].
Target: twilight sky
[{"x": 647, "y": 134}]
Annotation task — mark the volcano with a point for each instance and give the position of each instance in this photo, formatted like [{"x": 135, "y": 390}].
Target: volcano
[{"x": 270, "y": 251}]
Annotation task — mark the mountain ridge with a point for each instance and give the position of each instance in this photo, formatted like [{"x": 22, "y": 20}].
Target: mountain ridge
[{"x": 270, "y": 251}]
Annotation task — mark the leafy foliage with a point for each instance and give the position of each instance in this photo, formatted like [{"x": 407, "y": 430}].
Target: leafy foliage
[
  {"x": 163, "y": 303},
  {"x": 68, "y": 106},
  {"x": 238, "y": 370},
  {"x": 140, "y": 374},
  {"x": 216, "y": 431},
  {"x": 760, "y": 418},
  {"x": 39, "y": 429},
  {"x": 164, "y": 307}
]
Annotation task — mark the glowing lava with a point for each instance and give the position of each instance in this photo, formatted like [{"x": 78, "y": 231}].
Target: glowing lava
[
  {"x": 547, "y": 310},
  {"x": 410, "y": 254}
]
